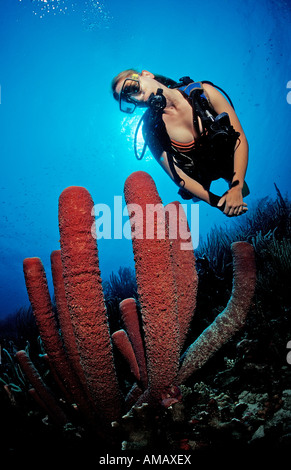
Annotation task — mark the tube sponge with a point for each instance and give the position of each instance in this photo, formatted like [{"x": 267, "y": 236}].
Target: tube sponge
[
  {"x": 184, "y": 266},
  {"x": 233, "y": 316},
  {"x": 129, "y": 315},
  {"x": 85, "y": 299},
  {"x": 155, "y": 283}
]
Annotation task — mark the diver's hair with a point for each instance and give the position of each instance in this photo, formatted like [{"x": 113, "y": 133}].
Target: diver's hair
[
  {"x": 121, "y": 76},
  {"x": 168, "y": 82}
]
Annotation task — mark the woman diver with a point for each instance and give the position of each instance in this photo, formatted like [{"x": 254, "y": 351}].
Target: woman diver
[{"x": 193, "y": 132}]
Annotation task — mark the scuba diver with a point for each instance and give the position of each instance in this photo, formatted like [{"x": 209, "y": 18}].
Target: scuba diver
[{"x": 193, "y": 132}]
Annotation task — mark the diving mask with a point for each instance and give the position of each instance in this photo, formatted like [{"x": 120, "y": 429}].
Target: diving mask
[{"x": 130, "y": 87}]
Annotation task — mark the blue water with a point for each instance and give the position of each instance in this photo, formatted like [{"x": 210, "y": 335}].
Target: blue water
[{"x": 60, "y": 126}]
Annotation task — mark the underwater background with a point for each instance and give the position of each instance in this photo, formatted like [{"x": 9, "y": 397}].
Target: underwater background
[
  {"x": 192, "y": 352},
  {"x": 60, "y": 126}
]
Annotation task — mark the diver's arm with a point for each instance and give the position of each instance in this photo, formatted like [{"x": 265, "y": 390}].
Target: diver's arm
[{"x": 232, "y": 199}]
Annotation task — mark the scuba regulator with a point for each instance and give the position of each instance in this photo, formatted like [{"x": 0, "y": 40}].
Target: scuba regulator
[{"x": 157, "y": 102}]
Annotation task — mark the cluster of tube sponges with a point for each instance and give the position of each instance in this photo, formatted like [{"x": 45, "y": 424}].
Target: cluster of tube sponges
[{"x": 80, "y": 347}]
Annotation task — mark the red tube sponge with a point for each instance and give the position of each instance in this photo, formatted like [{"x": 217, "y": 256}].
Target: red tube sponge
[
  {"x": 85, "y": 299},
  {"x": 38, "y": 293},
  {"x": 129, "y": 315},
  {"x": 155, "y": 282},
  {"x": 121, "y": 341},
  {"x": 64, "y": 313},
  {"x": 68, "y": 335},
  {"x": 233, "y": 316},
  {"x": 184, "y": 265}
]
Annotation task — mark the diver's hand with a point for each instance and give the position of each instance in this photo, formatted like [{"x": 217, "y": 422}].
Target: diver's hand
[{"x": 233, "y": 202}]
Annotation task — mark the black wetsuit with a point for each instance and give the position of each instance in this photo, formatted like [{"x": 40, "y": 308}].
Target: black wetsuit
[{"x": 204, "y": 160}]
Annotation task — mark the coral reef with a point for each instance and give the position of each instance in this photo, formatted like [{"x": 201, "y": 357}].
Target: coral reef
[{"x": 159, "y": 406}]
